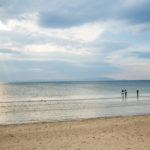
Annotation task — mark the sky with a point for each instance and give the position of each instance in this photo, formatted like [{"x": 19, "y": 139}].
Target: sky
[{"x": 59, "y": 40}]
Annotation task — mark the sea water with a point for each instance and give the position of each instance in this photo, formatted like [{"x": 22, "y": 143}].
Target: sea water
[{"x": 25, "y": 102}]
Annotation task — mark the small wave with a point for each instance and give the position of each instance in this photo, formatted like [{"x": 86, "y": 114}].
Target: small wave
[{"x": 74, "y": 99}]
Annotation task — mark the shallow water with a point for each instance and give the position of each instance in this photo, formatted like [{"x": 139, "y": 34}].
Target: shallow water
[{"x": 57, "y": 101}]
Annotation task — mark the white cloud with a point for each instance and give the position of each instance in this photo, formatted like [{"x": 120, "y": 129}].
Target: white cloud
[
  {"x": 36, "y": 69},
  {"x": 86, "y": 32},
  {"x": 4, "y": 27}
]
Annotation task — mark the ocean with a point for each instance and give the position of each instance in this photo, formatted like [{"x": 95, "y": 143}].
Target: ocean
[{"x": 28, "y": 102}]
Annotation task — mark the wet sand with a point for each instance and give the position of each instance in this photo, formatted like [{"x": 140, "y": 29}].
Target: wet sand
[{"x": 118, "y": 133}]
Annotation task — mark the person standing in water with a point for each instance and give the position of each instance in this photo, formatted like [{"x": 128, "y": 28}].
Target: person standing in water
[
  {"x": 137, "y": 93},
  {"x": 125, "y": 93},
  {"x": 122, "y": 94}
]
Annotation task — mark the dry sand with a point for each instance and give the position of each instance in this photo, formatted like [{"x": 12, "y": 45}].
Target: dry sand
[{"x": 118, "y": 133}]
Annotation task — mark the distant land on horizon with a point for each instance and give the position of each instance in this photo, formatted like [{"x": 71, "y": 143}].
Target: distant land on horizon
[{"x": 62, "y": 81}]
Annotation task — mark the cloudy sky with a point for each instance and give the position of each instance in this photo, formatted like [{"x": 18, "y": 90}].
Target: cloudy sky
[{"x": 74, "y": 40}]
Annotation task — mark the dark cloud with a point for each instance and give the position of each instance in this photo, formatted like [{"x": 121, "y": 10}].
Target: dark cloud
[
  {"x": 141, "y": 54},
  {"x": 9, "y": 51},
  {"x": 68, "y": 13},
  {"x": 53, "y": 20},
  {"x": 110, "y": 46},
  {"x": 77, "y": 13},
  {"x": 138, "y": 13},
  {"x": 87, "y": 11}
]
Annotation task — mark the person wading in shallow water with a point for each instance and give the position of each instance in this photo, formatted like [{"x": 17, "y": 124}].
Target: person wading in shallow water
[
  {"x": 137, "y": 93},
  {"x": 122, "y": 94},
  {"x": 125, "y": 93}
]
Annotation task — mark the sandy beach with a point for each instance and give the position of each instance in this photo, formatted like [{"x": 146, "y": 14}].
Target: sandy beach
[{"x": 118, "y": 133}]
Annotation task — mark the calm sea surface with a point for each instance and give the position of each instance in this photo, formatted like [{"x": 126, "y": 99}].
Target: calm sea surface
[{"x": 24, "y": 102}]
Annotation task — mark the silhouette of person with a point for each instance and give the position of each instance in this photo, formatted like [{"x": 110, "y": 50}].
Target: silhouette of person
[
  {"x": 122, "y": 94},
  {"x": 125, "y": 92},
  {"x": 137, "y": 93}
]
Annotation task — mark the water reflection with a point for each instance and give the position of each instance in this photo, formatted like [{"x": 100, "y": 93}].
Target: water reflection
[
  {"x": 63, "y": 110},
  {"x": 34, "y": 102}
]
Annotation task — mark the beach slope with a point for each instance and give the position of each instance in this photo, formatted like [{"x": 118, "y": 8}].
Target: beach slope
[{"x": 118, "y": 133}]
